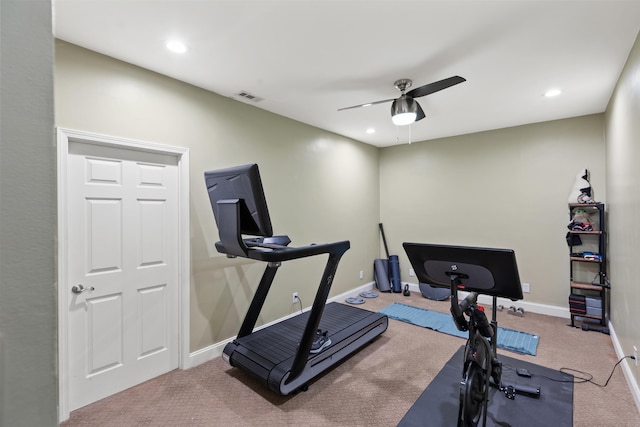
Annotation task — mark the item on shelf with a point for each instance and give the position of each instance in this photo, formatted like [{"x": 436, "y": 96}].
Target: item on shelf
[
  {"x": 582, "y": 191},
  {"x": 594, "y": 306},
  {"x": 580, "y": 226},
  {"x": 581, "y": 221},
  {"x": 573, "y": 239},
  {"x": 591, "y": 256},
  {"x": 577, "y": 304}
]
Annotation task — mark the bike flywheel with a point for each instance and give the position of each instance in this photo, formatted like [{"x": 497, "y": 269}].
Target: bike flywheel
[{"x": 473, "y": 395}]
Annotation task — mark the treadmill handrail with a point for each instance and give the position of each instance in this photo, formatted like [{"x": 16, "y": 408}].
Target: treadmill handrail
[
  {"x": 315, "y": 315},
  {"x": 285, "y": 253},
  {"x": 232, "y": 243}
]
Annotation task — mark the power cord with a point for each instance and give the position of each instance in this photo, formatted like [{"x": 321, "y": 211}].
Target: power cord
[
  {"x": 587, "y": 378},
  {"x": 590, "y": 377},
  {"x": 298, "y": 300}
]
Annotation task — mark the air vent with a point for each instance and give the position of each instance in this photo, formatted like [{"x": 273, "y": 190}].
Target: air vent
[{"x": 247, "y": 96}]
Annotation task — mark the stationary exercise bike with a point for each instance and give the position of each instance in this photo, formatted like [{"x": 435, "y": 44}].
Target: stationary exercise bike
[
  {"x": 481, "y": 364},
  {"x": 486, "y": 271}
]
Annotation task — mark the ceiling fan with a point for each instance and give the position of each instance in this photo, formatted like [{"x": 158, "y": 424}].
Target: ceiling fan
[{"x": 405, "y": 110}]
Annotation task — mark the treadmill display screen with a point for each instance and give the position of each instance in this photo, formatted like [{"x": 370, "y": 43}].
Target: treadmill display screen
[{"x": 241, "y": 183}]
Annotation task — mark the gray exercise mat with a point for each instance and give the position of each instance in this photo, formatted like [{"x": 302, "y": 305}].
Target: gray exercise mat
[
  {"x": 381, "y": 275},
  {"x": 508, "y": 339}
]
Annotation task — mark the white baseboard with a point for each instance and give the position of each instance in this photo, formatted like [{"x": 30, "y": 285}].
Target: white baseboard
[
  {"x": 533, "y": 307},
  {"x": 206, "y": 354},
  {"x": 626, "y": 367},
  {"x": 215, "y": 350}
]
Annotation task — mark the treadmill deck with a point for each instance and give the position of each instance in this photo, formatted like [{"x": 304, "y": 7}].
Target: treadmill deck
[{"x": 269, "y": 353}]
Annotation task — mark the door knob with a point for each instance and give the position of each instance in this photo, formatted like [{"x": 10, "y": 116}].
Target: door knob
[{"x": 78, "y": 289}]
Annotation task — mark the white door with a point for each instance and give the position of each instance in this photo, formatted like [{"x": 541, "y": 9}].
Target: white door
[{"x": 122, "y": 269}]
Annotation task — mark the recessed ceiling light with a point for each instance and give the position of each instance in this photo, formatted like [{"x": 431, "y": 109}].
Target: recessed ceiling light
[
  {"x": 176, "y": 46},
  {"x": 371, "y": 130},
  {"x": 552, "y": 92}
]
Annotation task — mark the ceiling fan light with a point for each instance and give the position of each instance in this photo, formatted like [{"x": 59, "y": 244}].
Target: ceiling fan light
[
  {"x": 403, "y": 111},
  {"x": 403, "y": 119}
]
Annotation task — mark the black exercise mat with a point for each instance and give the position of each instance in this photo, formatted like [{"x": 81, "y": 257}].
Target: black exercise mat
[{"x": 438, "y": 404}]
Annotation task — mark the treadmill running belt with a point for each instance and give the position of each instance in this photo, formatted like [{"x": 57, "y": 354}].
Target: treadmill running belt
[
  {"x": 279, "y": 342},
  {"x": 269, "y": 353}
]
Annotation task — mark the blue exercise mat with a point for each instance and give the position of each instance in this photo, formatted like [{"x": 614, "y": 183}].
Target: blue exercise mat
[{"x": 508, "y": 339}]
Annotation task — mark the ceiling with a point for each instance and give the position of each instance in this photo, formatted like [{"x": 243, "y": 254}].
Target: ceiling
[{"x": 306, "y": 59}]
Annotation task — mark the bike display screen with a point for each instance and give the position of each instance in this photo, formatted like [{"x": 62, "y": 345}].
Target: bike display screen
[{"x": 488, "y": 271}]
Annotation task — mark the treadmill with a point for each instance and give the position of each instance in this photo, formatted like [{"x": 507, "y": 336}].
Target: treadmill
[{"x": 279, "y": 355}]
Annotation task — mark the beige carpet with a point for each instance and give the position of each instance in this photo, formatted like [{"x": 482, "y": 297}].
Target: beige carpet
[{"x": 375, "y": 387}]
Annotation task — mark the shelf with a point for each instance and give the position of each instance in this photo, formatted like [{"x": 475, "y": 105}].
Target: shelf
[
  {"x": 586, "y": 205},
  {"x": 587, "y": 286},
  {"x": 580, "y": 259},
  {"x": 599, "y": 288},
  {"x": 590, "y": 316}
]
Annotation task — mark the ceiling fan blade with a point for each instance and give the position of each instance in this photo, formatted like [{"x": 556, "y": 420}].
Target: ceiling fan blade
[
  {"x": 420, "y": 112},
  {"x": 367, "y": 104},
  {"x": 435, "y": 86}
]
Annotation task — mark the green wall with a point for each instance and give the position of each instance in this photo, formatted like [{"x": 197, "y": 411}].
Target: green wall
[
  {"x": 505, "y": 188},
  {"x": 320, "y": 187},
  {"x": 623, "y": 189},
  {"x": 501, "y": 188},
  {"x": 28, "y": 311}
]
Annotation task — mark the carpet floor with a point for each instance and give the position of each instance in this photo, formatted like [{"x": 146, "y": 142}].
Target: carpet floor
[{"x": 374, "y": 387}]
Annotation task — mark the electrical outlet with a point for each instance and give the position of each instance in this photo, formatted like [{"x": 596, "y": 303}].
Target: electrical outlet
[
  {"x": 526, "y": 288},
  {"x": 411, "y": 272},
  {"x": 361, "y": 274},
  {"x": 635, "y": 354},
  {"x": 294, "y": 298}
]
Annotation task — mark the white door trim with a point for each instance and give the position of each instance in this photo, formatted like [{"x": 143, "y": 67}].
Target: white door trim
[{"x": 64, "y": 136}]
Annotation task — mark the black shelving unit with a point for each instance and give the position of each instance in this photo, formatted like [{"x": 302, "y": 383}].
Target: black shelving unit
[{"x": 589, "y": 299}]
